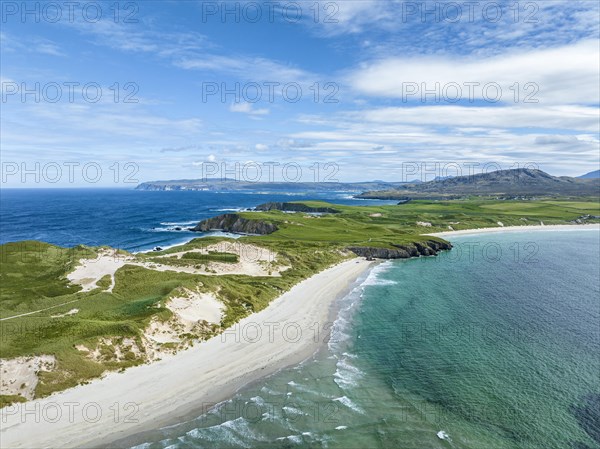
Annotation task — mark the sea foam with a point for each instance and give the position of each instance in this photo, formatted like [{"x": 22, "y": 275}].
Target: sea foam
[{"x": 345, "y": 400}]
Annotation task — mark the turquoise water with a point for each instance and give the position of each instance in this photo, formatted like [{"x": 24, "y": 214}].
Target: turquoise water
[{"x": 493, "y": 345}]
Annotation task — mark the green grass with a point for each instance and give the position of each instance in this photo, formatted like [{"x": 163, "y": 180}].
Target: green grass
[
  {"x": 10, "y": 399},
  {"x": 104, "y": 282},
  {"x": 196, "y": 259},
  {"x": 212, "y": 256},
  {"x": 33, "y": 275}
]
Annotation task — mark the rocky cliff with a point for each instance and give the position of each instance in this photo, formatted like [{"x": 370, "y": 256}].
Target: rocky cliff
[
  {"x": 236, "y": 224},
  {"x": 296, "y": 207},
  {"x": 426, "y": 248}
]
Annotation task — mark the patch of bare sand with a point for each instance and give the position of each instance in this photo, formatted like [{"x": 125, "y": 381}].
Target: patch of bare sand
[
  {"x": 113, "y": 349},
  {"x": 252, "y": 261},
  {"x": 19, "y": 376},
  {"x": 90, "y": 271},
  {"x": 194, "y": 314},
  {"x": 197, "y": 306},
  {"x": 69, "y": 313}
]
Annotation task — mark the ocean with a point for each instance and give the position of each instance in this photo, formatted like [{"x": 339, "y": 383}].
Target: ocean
[
  {"x": 133, "y": 220},
  {"x": 492, "y": 345}
]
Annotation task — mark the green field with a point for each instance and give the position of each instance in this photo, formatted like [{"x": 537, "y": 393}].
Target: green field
[{"x": 33, "y": 277}]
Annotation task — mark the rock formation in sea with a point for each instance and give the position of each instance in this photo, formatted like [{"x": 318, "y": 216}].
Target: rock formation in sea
[
  {"x": 236, "y": 224},
  {"x": 405, "y": 251}
]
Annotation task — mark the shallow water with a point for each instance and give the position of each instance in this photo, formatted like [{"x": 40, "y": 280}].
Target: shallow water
[{"x": 492, "y": 345}]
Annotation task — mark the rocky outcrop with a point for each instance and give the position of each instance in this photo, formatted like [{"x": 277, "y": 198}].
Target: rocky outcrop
[
  {"x": 584, "y": 218},
  {"x": 236, "y": 224},
  {"x": 296, "y": 207},
  {"x": 416, "y": 249}
]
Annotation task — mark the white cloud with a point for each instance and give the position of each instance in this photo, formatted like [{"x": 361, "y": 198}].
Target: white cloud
[
  {"x": 567, "y": 74},
  {"x": 583, "y": 118},
  {"x": 248, "y": 108},
  {"x": 552, "y": 140},
  {"x": 192, "y": 51},
  {"x": 210, "y": 158},
  {"x": 29, "y": 44},
  {"x": 293, "y": 143},
  {"x": 383, "y": 138},
  {"x": 261, "y": 147},
  {"x": 92, "y": 130},
  {"x": 405, "y": 27},
  {"x": 49, "y": 48},
  {"x": 244, "y": 67},
  {"x": 352, "y": 16}
]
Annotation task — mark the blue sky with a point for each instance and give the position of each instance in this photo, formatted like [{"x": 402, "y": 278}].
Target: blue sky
[{"x": 366, "y": 57}]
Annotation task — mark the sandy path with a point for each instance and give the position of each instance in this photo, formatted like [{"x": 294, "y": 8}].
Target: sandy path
[
  {"x": 38, "y": 311},
  {"x": 165, "y": 392},
  {"x": 536, "y": 228}
]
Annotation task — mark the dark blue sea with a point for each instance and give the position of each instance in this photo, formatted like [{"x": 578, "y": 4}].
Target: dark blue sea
[{"x": 134, "y": 220}]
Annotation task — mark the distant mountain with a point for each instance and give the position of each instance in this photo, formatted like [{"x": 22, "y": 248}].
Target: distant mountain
[
  {"x": 232, "y": 185},
  {"x": 591, "y": 175},
  {"x": 504, "y": 183}
]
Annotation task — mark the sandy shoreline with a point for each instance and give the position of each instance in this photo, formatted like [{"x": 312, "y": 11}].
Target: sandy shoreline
[
  {"x": 147, "y": 397},
  {"x": 581, "y": 227}
]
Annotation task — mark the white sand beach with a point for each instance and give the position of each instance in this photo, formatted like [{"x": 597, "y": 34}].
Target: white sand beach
[
  {"x": 537, "y": 228},
  {"x": 180, "y": 386}
]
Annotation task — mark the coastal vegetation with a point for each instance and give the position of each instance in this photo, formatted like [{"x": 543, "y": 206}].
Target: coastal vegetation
[{"x": 105, "y": 326}]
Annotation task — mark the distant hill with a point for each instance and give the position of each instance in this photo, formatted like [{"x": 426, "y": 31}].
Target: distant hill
[
  {"x": 503, "y": 183},
  {"x": 591, "y": 175},
  {"x": 232, "y": 185}
]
